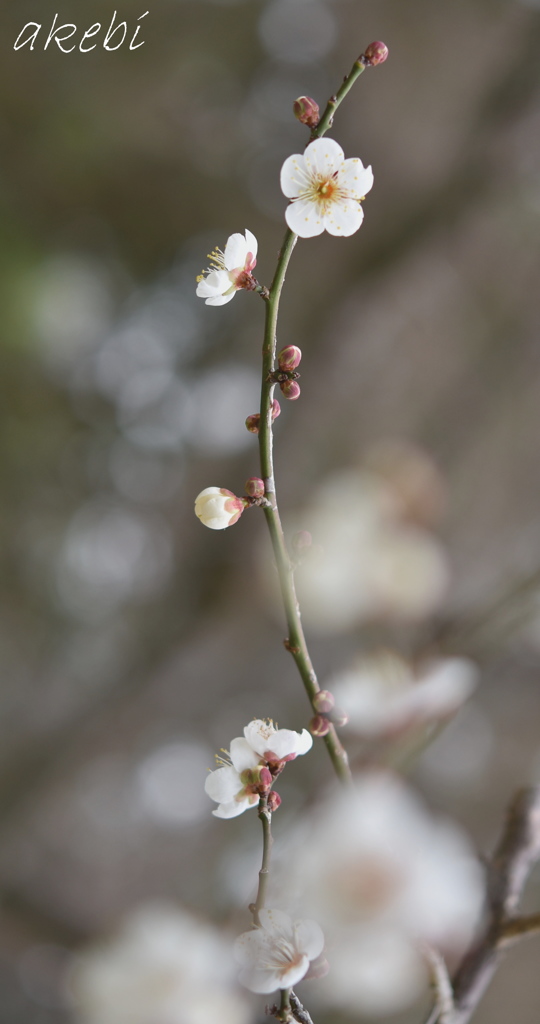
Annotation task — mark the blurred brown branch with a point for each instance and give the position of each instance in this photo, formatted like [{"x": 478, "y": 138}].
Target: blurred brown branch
[{"x": 516, "y": 854}]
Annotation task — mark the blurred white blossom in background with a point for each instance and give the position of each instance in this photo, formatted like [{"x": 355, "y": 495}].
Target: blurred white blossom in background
[
  {"x": 384, "y": 694},
  {"x": 370, "y": 560},
  {"x": 382, "y": 876},
  {"x": 278, "y": 953},
  {"x": 164, "y": 967}
]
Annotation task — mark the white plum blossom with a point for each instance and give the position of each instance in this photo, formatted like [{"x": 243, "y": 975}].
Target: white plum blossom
[
  {"x": 367, "y": 563},
  {"x": 237, "y": 786},
  {"x": 218, "y": 508},
  {"x": 325, "y": 190},
  {"x": 229, "y": 271},
  {"x": 164, "y": 967},
  {"x": 255, "y": 759},
  {"x": 278, "y": 953},
  {"x": 384, "y": 694},
  {"x": 384, "y": 877},
  {"x": 276, "y": 745}
]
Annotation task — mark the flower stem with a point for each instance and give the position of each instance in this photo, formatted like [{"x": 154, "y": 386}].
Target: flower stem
[
  {"x": 285, "y": 1005},
  {"x": 333, "y": 103},
  {"x": 265, "y": 817},
  {"x": 296, "y": 641}
]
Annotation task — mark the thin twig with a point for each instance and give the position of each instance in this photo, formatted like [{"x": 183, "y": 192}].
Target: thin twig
[
  {"x": 265, "y": 817},
  {"x": 299, "y": 1012},
  {"x": 296, "y": 641},
  {"x": 516, "y": 854}
]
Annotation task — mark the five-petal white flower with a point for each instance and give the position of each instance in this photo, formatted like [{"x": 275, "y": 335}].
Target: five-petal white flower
[
  {"x": 325, "y": 190},
  {"x": 256, "y": 758},
  {"x": 229, "y": 271},
  {"x": 278, "y": 953}
]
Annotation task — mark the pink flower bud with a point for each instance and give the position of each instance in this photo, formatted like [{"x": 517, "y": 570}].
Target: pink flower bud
[
  {"x": 323, "y": 701},
  {"x": 339, "y": 717},
  {"x": 265, "y": 777},
  {"x": 289, "y": 357},
  {"x": 276, "y": 409},
  {"x": 252, "y": 423},
  {"x": 306, "y": 111},
  {"x": 376, "y": 53},
  {"x": 290, "y": 389},
  {"x": 274, "y": 801},
  {"x": 319, "y": 726},
  {"x": 255, "y": 487}
]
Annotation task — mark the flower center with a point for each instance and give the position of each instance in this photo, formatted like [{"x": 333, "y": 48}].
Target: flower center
[{"x": 326, "y": 189}]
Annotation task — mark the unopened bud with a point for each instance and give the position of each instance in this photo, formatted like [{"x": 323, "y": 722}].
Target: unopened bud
[
  {"x": 376, "y": 53},
  {"x": 276, "y": 409},
  {"x": 289, "y": 357},
  {"x": 252, "y": 423},
  {"x": 301, "y": 541},
  {"x": 339, "y": 717},
  {"x": 306, "y": 111},
  {"x": 290, "y": 389},
  {"x": 255, "y": 487},
  {"x": 273, "y": 801},
  {"x": 319, "y": 726},
  {"x": 323, "y": 701},
  {"x": 265, "y": 777}
]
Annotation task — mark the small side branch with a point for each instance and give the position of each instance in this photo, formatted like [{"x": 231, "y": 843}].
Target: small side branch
[
  {"x": 517, "y": 852},
  {"x": 299, "y": 1012},
  {"x": 265, "y": 817}
]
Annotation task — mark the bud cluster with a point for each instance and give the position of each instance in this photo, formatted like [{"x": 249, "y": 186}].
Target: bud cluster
[
  {"x": 327, "y": 714},
  {"x": 253, "y": 421}
]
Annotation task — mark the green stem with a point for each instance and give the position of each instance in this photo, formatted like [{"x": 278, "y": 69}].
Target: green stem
[
  {"x": 285, "y": 1005},
  {"x": 265, "y": 817},
  {"x": 296, "y": 641},
  {"x": 333, "y": 103}
]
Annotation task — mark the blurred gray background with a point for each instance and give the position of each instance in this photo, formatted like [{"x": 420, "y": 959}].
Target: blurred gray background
[{"x": 134, "y": 643}]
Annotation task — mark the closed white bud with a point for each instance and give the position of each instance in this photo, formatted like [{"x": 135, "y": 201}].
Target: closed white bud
[{"x": 218, "y": 508}]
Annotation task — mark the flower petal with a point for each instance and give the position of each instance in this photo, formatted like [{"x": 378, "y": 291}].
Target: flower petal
[
  {"x": 304, "y": 218},
  {"x": 223, "y": 784},
  {"x": 258, "y": 980},
  {"x": 286, "y": 741},
  {"x": 344, "y": 217},
  {"x": 277, "y": 924},
  {"x": 217, "y": 282},
  {"x": 251, "y": 243},
  {"x": 243, "y": 755},
  {"x": 323, "y": 157},
  {"x": 259, "y": 734},
  {"x": 233, "y": 808},
  {"x": 356, "y": 179},
  {"x": 295, "y": 973},
  {"x": 294, "y": 176},
  {"x": 236, "y": 251},
  {"x": 309, "y": 938}
]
